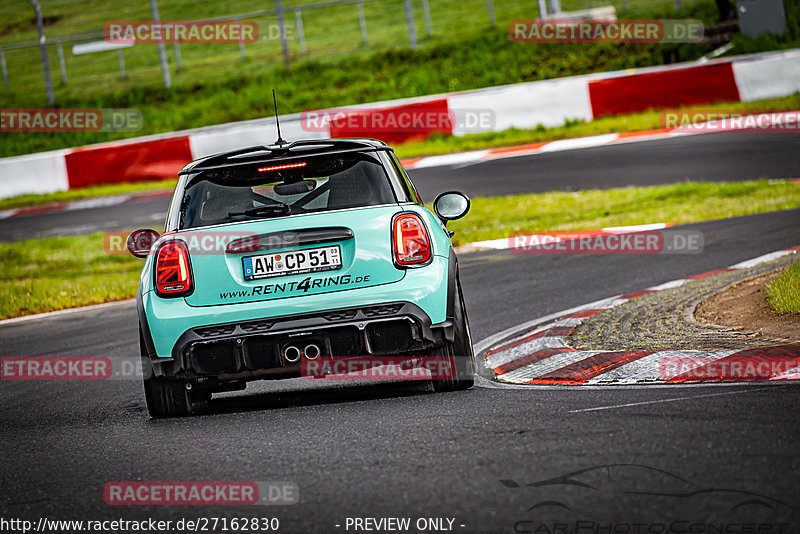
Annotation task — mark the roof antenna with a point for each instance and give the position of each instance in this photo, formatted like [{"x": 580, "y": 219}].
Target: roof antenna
[{"x": 280, "y": 140}]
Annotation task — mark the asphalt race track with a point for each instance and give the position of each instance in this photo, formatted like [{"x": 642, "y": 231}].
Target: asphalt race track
[
  {"x": 493, "y": 459},
  {"x": 728, "y": 156}
]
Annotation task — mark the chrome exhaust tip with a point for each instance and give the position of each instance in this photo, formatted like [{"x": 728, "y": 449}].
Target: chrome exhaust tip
[
  {"x": 291, "y": 354},
  {"x": 312, "y": 351}
]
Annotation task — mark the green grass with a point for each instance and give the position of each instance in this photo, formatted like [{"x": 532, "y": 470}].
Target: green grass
[
  {"x": 783, "y": 293},
  {"x": 331, "y": 34},
  {"x": 219, "y": 88},
  {"x": 633, "y": 122},
  {"x": 50, "y": 274},
  {"x": 443, "y": 145},
  {"x": 464, "y": 52},
  {"x": 62, "y": 272},
  {"x": 498, "y": 217}
]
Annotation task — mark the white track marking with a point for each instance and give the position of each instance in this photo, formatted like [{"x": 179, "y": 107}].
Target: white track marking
[
  {"x": 761, "y": 259},
  {"x": 522, "y": 350},
  {"x": 99, "y": 202},
  {"x": 648, "y": 368},
  {"x": 673, "y": 399},
  {"x": 636, "y": 228},
  {"x": 789, "y": 374},
  {"x": 449, "y": 159},
  {"x": 579, "y": 142},
  {"x": 668, "y": 285},
  {"x": 494, "y": 338},
  {"x": 548, "y": 365}
]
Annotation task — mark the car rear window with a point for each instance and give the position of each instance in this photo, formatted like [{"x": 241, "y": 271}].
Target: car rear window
[{"x": 284, "y": 187}]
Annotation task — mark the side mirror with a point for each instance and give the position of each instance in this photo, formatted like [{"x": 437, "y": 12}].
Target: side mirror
[
  {"x": 451, "y": 205},
  {"x": 140, "y": 242}
]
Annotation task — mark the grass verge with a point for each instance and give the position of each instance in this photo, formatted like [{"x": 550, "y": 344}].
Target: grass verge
[
  {"x": 218, "y": 89},
  {"x": 783, "y": 293},
  {"x": 40, "y": 275},
  {"x": 445, "y": 145},
  {"x": 62, "y": 272},
  {"x": 632, "y": 122},
  {"x": 498, "y": 217}
]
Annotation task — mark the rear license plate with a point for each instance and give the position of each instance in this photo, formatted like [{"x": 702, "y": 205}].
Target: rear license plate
[{"x": 310, "y": 260}]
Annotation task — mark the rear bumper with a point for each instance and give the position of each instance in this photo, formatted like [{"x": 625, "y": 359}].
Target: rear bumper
[
  {"x": 257, "y": 348},
  {"x": 233, "y": 340}
]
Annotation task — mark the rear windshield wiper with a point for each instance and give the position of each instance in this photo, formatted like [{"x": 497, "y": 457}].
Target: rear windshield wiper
[{"x": 264, "y": 211}]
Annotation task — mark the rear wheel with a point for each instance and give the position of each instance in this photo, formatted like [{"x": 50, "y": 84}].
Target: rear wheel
[
  {"x": 164, "y": 398},
  {"x": 459, "y": 353}
]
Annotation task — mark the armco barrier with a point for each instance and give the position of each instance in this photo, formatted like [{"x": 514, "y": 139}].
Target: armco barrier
[
  {"x": 704, "y": 84},
  {"x": 524, "y": 105},
  {"x": 377, "y": 123},
  {"x": 129, "y": 162}
]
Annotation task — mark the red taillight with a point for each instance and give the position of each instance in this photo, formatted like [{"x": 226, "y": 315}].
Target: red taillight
[
  {"x": 173, "y": 271},
  {"x": 410, "y": 240}
]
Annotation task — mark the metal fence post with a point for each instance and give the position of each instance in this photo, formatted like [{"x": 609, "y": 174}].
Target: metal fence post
[
  {"x": 178, "y": 59},
  {"x": 282, "y": 28},
  {"x": 242, "y": 53},
  {"x": 48, "y": 83},
  {"x": 5, "y": 68},
  {"x": 427, "y": 10},
  {"x": 412, "y": 33},
  {"x": 162, "y": 51},
  {"x": 61, "y": 62},
  {"x": 491, "y": 11},
  {"x": 362, "y": 21},
  {"x": 298, "y": 19},
  {"x": 121, "y": 58}
]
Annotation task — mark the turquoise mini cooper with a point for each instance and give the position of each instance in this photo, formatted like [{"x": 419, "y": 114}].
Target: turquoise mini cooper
[{"x": 276, "y": 257}]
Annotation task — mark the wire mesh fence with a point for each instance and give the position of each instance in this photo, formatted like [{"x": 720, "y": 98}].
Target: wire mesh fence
[{"x": 314, "y": 31}]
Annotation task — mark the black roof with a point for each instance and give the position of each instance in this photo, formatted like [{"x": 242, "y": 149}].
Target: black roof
[{"x": 283, "y": 152}]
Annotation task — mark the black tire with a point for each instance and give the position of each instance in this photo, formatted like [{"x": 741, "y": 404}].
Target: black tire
[
  {"x": 164, "y": 398},
  {"x": 459, "y": 352}
]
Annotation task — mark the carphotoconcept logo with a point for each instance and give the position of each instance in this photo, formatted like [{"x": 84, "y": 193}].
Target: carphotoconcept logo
[
  {"x": 605, "y": 31},
  {"x": 71, "y": 120}
]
